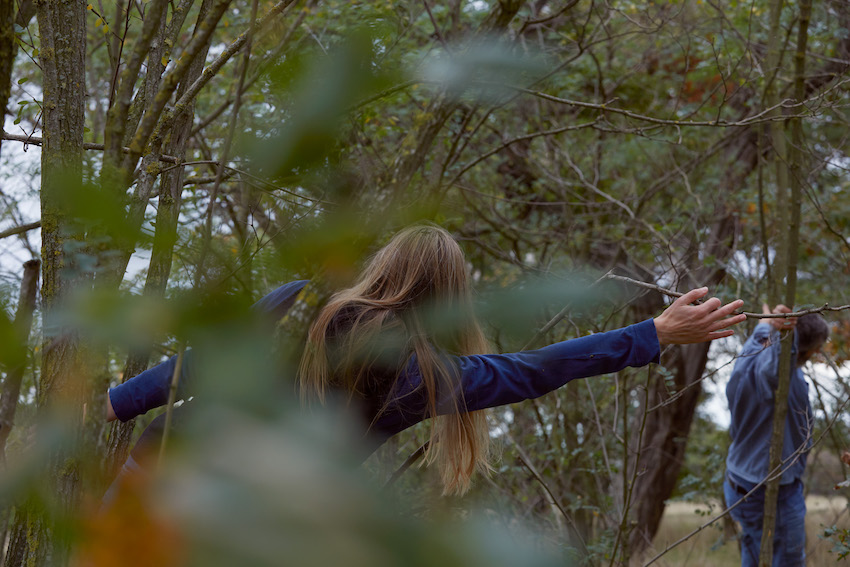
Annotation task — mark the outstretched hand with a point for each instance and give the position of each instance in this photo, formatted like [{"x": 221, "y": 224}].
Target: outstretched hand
[
  {"x": 780, "y": 324},
  {"x": 683, "y": 323}
]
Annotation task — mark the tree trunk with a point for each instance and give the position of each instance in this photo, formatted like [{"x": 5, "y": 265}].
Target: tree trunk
[
  {"x": 168, "y": 212},
  {"x": 662, "y": 452},
  {"x": 662, "y": 455},
  {"x": 8, "y": 50},
  {"x": 791, "y": 212},
  {"x": 12, "y": 383},
  {"x": 62, "y": 26}
]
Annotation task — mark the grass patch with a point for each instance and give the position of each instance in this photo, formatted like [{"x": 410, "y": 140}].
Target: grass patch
[{"x": 715, "y": 546}]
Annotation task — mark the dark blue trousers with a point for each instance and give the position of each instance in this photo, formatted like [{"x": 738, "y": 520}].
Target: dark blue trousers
[{"x": 789, "y": 541}]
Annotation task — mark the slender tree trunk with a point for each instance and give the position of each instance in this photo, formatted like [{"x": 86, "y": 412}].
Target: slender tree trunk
[
  {"x": 165, "y": 238},
  {"x": 8, "y": 50},
  {"x": 12, "y": 383},
  {"x": 8, "y": 46},
  {"x": 662, "y": 453},
  {"x": 62, "y": 26},
  {"x": 792, "y": 213}
]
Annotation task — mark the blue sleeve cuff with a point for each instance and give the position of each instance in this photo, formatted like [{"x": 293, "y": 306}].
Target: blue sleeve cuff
[{"x": 150, "y": 388}]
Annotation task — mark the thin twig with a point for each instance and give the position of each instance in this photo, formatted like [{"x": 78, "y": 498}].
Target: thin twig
[
  {"x": 825, "y": 307},
  {"x": 415, "y": 456},
  {"x": 169, "y": 410},
  {"x": 630, "y": 485},
  {"x": 792, "y": 458},
  {"x": 20, "y": 229},
  {"x": 436, "y": 27},
  {"x": 36, "y": 141},
  {"x": 763, "y": 116},
  {"x": 527, "y": 463}
]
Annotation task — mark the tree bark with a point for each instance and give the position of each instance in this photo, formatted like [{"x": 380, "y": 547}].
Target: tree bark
[
  {"x": 12, "y": 383},
  {"x": 8, "y": 50},
  {"x": 662, "y": 455},
  {"x": 791, "y": 242},
  {"x": 15, "y": 375},
  {"x": 159, "y": 270},
  {"x": 8, "y": 46},
  {"x": 62, "y": 26},
  {"x": 665, "y": 438}
]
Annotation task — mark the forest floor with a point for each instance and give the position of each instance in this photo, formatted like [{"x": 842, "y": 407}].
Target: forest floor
[{"x": 713, "y": 548}]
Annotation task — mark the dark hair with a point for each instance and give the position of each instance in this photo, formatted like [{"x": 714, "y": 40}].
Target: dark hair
[{"x": 812, "y": 332}]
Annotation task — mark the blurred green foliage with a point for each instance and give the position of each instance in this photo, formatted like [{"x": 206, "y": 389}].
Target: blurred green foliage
[{"x": 361, "y": 117}]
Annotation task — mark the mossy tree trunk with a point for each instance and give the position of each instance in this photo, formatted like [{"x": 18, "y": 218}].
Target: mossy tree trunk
[
  {"x": 61, "y": 390},
  {"x": 165, "y": 238}
]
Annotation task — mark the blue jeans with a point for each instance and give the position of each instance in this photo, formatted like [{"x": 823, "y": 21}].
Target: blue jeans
[{"x": 789, "y": 541}]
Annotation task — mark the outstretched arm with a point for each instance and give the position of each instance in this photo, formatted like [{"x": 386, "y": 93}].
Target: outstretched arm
[
  {"x": 497, "y": 379},
  {"x": 683, "y": 323},
  {"x": 150, "y": 388}
]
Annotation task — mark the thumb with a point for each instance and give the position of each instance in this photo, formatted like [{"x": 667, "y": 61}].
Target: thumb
[{"x": 765, "y": 309}]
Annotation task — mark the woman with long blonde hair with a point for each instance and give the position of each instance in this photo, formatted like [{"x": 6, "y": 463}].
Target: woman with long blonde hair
[{"x": 385, "y": 344}]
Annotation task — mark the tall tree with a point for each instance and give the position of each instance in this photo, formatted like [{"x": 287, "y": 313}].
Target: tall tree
[{"x": 62, "y": 389}]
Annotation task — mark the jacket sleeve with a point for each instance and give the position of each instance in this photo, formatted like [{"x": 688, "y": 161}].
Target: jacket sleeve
[
  {"x": 491, "y": 380},
  {"x": 149, "y": 389},
  {"x": 498, "y": 379},
  {"x": 766, "y": 347}
]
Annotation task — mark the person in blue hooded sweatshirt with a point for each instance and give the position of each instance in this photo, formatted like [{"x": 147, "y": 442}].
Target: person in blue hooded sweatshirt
[
  {"x": 375, "y": 345},
  {"x": 751, "y": 394}
]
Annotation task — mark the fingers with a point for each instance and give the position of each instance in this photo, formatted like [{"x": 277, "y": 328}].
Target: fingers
[
  {"x": 728, "y": 322},
  {"x": 711, "y": 305},
  {"x": 730, "y": 308},
  {"x": 684, "y": 323},
  {"x": 720, "y": 334},
  {"x": 780, "y": 324},
  {"x": 692, "y": 296},
  {"x": 718, "y": 318}
]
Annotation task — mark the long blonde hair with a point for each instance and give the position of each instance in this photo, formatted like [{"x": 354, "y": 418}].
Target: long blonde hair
[{"x": 421, "y": 270}]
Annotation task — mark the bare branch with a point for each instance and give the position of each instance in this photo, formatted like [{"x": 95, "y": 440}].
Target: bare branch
[
  {"x": 766, "y": 115},
  {"x": 36, "y": 141},
  {"x": 203, "y": 34},
  {"x": 824, "y": 308},
  {"x": 117, "y": 117},
  {"x": 235, "y": 46},
  {"x": 20, "y": 229}
]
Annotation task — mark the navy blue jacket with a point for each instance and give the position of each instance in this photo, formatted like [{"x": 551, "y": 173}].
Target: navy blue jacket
[
  {"x": 150, "y": 388},
  {"x": 750, "y": 392},
  {"x": 487, "y": 380}
]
